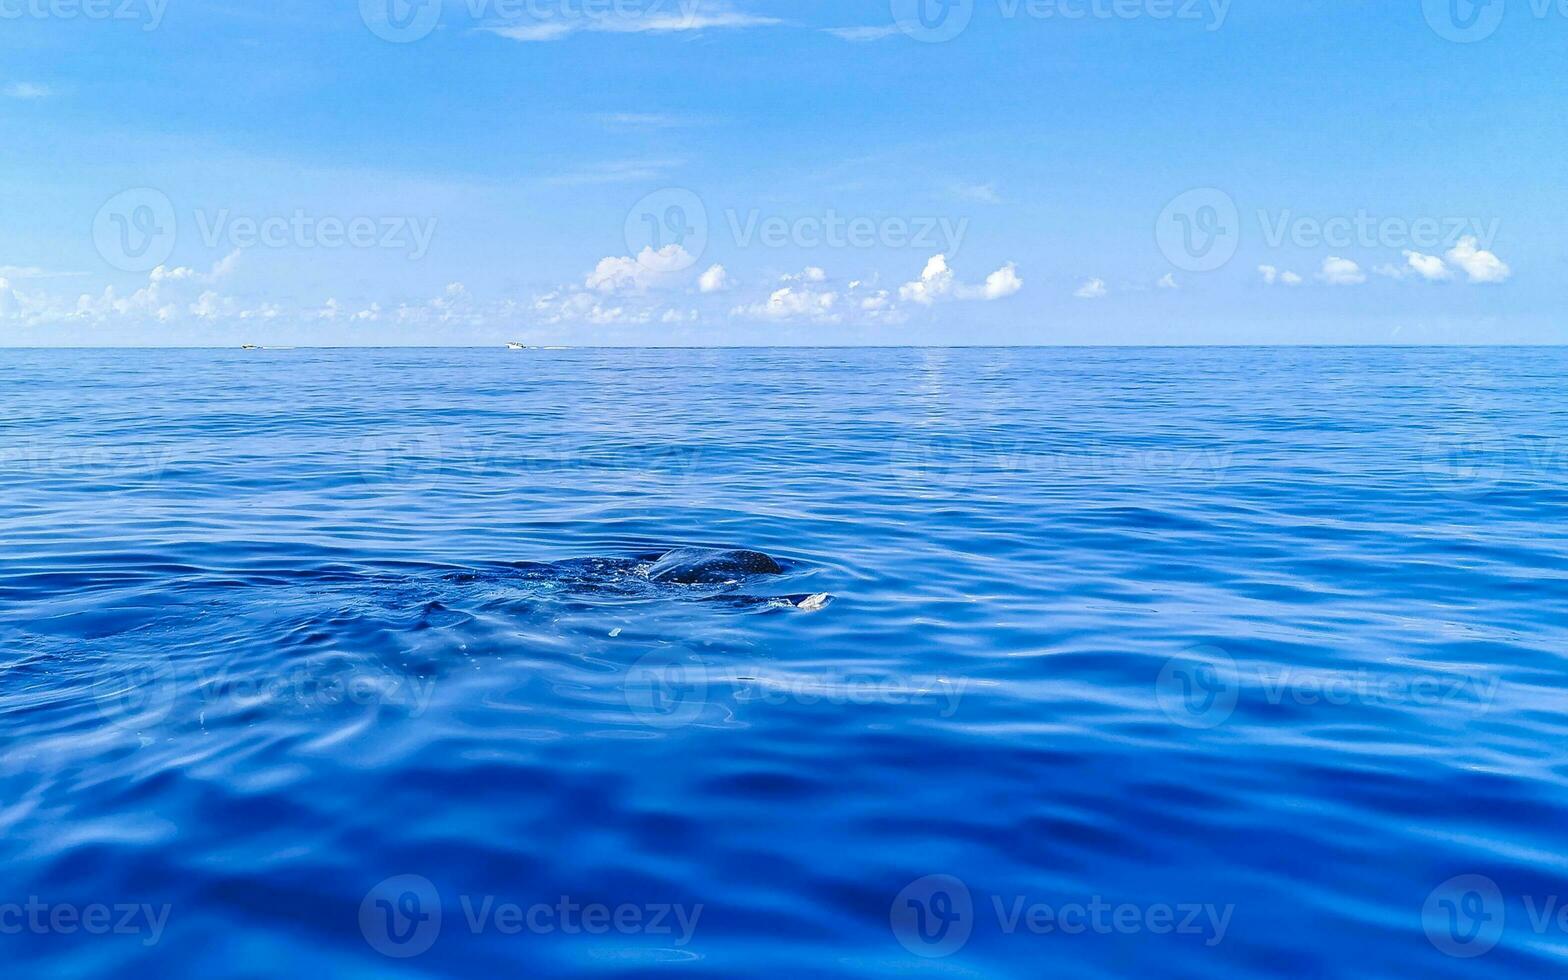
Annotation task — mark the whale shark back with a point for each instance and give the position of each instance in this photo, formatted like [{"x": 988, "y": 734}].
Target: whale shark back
[{"x": 702, "y": 566}]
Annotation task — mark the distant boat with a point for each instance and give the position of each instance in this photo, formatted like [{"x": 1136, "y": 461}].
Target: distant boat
[
  {"x": 516, "y": 346},
  {"x": 250, "y": 347}
]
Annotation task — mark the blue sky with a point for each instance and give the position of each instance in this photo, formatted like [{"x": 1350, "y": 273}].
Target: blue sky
[{"x": 704, "y": 172}]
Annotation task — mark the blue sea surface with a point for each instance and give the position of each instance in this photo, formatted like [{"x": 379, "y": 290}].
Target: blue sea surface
[{"x": 1175, "y": 662}]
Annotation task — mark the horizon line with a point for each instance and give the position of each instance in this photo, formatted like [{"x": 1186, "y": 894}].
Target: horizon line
[{"x": 557, "y": 348}]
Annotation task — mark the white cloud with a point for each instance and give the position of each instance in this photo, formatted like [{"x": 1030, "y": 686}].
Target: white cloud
[
  {"x": 633, "y": 22},
  {"x": 873, "y": 304},
  {"x": 161, "y": 299},
  {"x": 644, "y": 120},
  {"x": 810, "y": 274},
  {"x": 877, "y": 301},
  {"x": 615, "y": 292},
  {"x": 1003, "y": 282},
  {"x": 179, "y": 273},
  {"x": 207, "y": 306},
  {"x": 979, "y": 193},
  {"x": 650, "y": 268},
  {"x": 613, "y": 172},
  {"x": 220, "y": 270},
  {"x": 715, "y": 280},
  {"x": 794, "y": 302},
  {"x": 26, "y": 90},
  {"x": 544, "y": 31},
  {"x": 1272, "y": 275},
  {"x": 689, "y": 20},
  {"x": 34, "y": 272},
  {"x": 862, "y": 34},
  {"x": 266, "y": 311},
  {"x": 1091, "y": 289},
  {"x": 1167, "y": 281},
  {"x": 580, "y": 307},
  {"x": 1341, "y": 272},
  {"x": 937, "y": 282},
  {"x": 224, "y": 267},
  {"x": 1428, "y": 267},
  {"x": 1477, "y": 263}
]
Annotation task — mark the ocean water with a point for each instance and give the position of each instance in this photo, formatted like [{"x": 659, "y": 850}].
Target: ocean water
[{"x": 1207, "y": 662}]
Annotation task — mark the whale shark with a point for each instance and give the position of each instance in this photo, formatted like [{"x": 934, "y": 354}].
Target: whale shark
[
  {"x": 725, "y": 576},
  {"x": 726, "y": 567}
]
